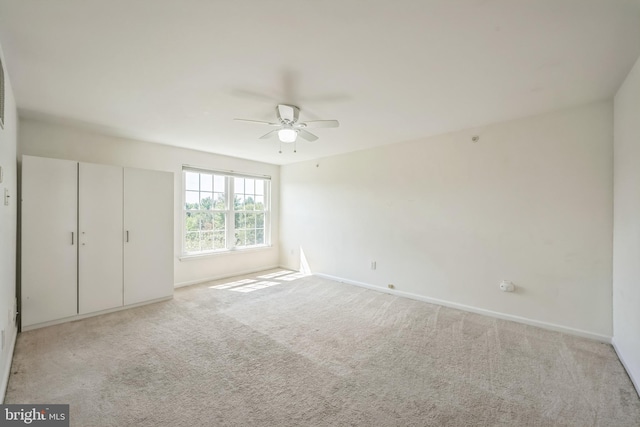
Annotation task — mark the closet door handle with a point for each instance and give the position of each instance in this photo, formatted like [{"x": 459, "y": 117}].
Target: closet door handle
[
  {"x": 72, "y": 239},
  {"x": 127, "y": 236}
]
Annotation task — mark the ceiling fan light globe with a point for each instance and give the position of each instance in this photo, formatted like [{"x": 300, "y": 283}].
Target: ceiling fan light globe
[{"x": 287, "y": 135}]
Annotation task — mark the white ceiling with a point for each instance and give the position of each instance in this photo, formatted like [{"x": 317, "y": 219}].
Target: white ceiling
[{"x": 178, "y": 72}]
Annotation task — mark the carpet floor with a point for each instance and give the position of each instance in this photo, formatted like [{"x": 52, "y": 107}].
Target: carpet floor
[{"x": 280, "y": 349}]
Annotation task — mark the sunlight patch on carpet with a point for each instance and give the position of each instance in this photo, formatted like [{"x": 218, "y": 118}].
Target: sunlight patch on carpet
[
  {"x": 275, "y": 274},
  {"x": 246, "y": 285},
  {"x": 293, "y": 276},
  {"x": 250, "y": 285},
  {"x": 233, "y": 284},
  {"x": 254, "y": 286}
]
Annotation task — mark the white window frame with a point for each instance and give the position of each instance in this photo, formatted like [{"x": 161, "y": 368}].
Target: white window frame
[{"x": 229, "y": 212}]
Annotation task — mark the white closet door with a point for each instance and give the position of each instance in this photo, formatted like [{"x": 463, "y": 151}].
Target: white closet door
[
  {"x": 148, "y": 223},
  {"x": 49, "y": 239},
  {"x": 100, "y": 227}
]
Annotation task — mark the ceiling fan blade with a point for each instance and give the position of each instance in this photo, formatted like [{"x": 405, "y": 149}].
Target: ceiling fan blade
[
  {"x": 270, "y": 134},
  {"x": 307, "y": 135},
  {"x": 241, "y": 93},
  {"x": 321, "y": 124},
  {"x": 287, "y": 112},
  {"x": 260, "y": 122}
]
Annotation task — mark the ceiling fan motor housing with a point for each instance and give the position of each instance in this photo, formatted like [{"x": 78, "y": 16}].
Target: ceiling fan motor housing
[
  {"x": 288, "y": 127},
  {"x": 288, "y": 114}
]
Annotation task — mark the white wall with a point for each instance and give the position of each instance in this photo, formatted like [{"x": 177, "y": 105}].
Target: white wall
[
  {"x": 8, "y": 217},
  {"x": 40, "y": 138},
  {"x": 626, "y": 234},
  {"x": 448, "y": 219}
]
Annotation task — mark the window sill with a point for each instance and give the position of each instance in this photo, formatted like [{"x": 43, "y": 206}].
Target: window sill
[{"x": 193, "y": 257}]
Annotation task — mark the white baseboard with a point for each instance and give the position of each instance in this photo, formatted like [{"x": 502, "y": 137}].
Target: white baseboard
[
  {"x": 634, "y": 381},
  {"x": 7, "y": 369},
  {"x": 504, "y": 316},
  {"x": 94, "y": 314},
  {"x": 224, "y": 276}
]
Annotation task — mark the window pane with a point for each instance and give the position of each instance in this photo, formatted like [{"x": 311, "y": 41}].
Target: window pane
[
  {"x": 220, "y": 202},
  {"x": 219, "y": 221},
  {"x": 191, "y": 221},
  {"x": 192, "y": 199},
  {"x": 219, "y": 240},
  {"x": 249, "y": 187},
  {"x": 240, "y": 238},
  {"x": 206, "y": 221},
  {"x": 206, "y": 241},
  {"x": 218, "y": 184},
  {"x": 192, "y": 181},
  {"x": 250, "y": 220},
  {"x": 259, "y": 237},
  {"x": 240, "y": 222},
  {"x": 206, "y": 200},
  {"x": 192, "y": 242},
  {"x": 251, "y": 237},
  {"x": 259, "y": 203},
  {"x": 238, "y": 185},
  {"x": 206, "y": 182},
  {"x": 260, "y": 186},
  {"x": 249, "y": 204},
  {"x": 260, "y": 220},
  {"x": 239, "y": 202}
]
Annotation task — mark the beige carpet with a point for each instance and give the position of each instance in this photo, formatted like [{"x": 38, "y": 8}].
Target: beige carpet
[{"x": 282, "y": 350}]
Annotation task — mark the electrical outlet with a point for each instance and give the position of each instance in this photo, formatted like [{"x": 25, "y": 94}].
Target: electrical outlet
[
  {"x": 507, "y": 286},
  {"x": 390, "y": 286},
  {"x": 373, "y": 265}
]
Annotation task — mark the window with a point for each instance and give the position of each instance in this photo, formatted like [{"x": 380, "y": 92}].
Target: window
[
  {"x": 249, "y": 211},
  {"x": 224, "y": 211}
]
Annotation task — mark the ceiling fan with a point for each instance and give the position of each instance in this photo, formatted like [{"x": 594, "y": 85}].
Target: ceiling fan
[{"x": 288, "y": 126}]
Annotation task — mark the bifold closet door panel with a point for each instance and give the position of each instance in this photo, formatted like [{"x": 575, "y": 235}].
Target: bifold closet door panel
[
  {"x": 101, "y": 237},
  {"x": 148, "y": 224},
  {"x": 49, "y": 239}
]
